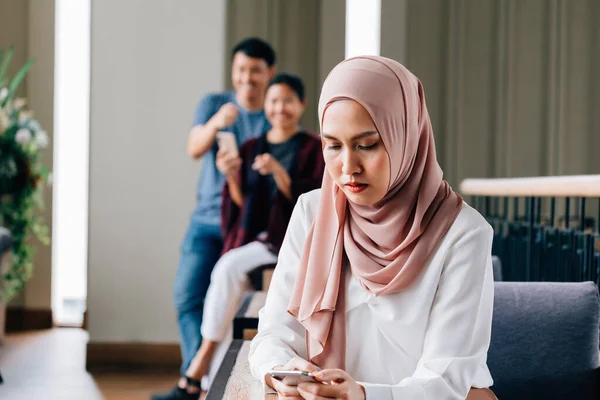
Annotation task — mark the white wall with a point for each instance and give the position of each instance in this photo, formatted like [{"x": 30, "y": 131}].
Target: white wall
[{"x": 151, "y": 62}]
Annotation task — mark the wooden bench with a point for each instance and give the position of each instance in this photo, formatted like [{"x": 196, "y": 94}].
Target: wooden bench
[
  {"x": 260, "y": 278},
  {"x": 245, "y": 322},
  {"x": 234, "y": 380}
]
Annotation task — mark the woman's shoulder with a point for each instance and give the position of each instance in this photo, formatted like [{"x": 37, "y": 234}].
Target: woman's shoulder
[
  {"x": 305, "y": 212},
  {"x": 468, "y": 220},
  {"x": 309, "y": 204}
]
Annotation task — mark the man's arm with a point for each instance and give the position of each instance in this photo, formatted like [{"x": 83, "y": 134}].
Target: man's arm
[
  {"x": 201, "y": 139},
  {"x": 202, "y": 136}
]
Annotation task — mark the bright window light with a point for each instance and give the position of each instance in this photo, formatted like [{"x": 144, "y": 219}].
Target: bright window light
[
  {"x": 363, "y": 27},
  {"x": 71, "y": 165}
]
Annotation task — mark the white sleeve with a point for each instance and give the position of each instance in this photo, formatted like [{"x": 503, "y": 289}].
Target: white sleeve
[
  {"x": 280, "y": 336},
  {"x": 458, "y": 333}
]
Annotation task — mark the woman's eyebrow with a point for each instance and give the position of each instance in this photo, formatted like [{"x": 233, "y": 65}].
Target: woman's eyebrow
[{"x": 359, "y": 136}]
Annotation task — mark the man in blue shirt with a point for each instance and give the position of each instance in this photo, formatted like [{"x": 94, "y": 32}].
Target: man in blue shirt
[{"x": 240, "y": 112}]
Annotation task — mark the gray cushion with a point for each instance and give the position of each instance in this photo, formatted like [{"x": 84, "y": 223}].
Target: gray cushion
[
  {"x": 545, "y": 340},
  {"x": 497, "y": 268},
  {"x": 5, "y": 240}
]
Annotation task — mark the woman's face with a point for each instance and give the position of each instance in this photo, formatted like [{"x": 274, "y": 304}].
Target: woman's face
[
  {"x": 354, "y": 153},
  {"x": 283, "y": 108}
]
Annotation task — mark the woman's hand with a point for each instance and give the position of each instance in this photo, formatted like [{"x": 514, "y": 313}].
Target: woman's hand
[
  {"x": 337, "y": 384},
  {"x": 227, "y": 163},
  {"x": 285, "y": 391},
  {"x": 266, "y": 164}
]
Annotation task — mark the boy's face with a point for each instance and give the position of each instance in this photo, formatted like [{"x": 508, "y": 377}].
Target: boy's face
[{"x": 250, "y": 76}]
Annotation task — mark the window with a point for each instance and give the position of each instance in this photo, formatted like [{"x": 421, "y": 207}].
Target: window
[
  {"x": 363, "y": 27},
  {"x": 71, "y": 166}
]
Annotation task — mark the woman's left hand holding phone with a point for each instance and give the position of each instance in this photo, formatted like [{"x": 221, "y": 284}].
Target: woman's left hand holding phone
[
  {"x": 228, "y": 163},
  {"x": 285, "y": 391},
  {"x": 340, "y": 386}
]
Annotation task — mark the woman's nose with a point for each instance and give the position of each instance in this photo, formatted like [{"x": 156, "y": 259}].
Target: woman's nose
[{"x": 350, "y": 164}]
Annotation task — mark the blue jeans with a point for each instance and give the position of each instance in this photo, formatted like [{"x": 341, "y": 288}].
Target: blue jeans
[{"x": 200, "y": 252}]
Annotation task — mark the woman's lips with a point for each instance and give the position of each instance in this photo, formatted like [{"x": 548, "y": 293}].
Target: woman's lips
[{"x": 356, "y": 187}]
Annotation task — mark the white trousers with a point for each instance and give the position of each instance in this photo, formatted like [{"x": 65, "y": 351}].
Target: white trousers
[{"x": 228, "y": 282}]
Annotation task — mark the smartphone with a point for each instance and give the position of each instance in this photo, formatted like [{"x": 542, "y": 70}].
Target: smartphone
[
  {"x": 292, "y": 378},
  {"x": 227, "y": 141}
]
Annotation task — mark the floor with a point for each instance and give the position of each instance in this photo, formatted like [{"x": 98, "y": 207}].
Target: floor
[{"x": 50, "y": 365}]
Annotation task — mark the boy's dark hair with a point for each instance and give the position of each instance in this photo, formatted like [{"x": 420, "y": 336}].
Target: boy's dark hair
[
  {"x": 293, "y": 81},
  {"x": 255, "y": 48}
]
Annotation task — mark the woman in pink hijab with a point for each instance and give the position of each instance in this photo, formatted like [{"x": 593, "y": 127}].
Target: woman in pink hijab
[{"x": 384, "y": 285}]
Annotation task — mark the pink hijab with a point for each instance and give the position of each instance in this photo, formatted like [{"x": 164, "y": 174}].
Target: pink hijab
[{"x": 386, "y": 245}]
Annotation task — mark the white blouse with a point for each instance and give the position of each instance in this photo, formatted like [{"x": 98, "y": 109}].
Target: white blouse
[{"x": 427, "y": 342}]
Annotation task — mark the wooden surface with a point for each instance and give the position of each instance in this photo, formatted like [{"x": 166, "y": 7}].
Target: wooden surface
[
  {"x": 551, "y": 186},
  {"x": 245, "y": 322},
  {"x": 250, "y": 333},
  {"x": 234, "y": 380},
  {"x": 257, "y": 302},
  {"x": 267, "y": 277},
  {"x": 50, "y": 365}
]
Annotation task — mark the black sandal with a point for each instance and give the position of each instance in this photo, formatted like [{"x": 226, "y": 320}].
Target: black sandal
[
  {"x": 178, "y": 393},
  {"x": 193, "y": 382}
]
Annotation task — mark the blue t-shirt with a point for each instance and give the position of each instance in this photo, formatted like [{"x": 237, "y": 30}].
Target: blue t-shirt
[{"x": 249, "y": 124}]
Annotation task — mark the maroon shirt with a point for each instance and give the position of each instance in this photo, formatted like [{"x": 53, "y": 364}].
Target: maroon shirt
[{"x": 262, "y": 213}]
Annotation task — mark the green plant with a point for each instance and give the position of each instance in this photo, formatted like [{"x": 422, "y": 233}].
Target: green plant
[{"x": 22, "y": 178}]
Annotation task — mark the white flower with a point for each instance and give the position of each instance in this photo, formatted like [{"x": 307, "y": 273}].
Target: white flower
[
  {"x": 41, "y": 139},
  {"x": 23, "y": 136},
  {"x": 3, "y": 93},
  {"x": 34, "y": 125}
]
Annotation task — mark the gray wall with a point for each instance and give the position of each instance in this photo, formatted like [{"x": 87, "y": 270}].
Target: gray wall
[
  {"x": 149, "y": 70},
  {"x": 510, "y": 84}
]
